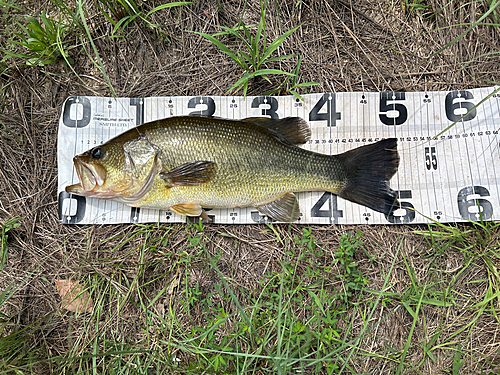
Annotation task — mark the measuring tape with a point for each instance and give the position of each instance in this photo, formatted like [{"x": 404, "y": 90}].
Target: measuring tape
[{"x": 446, "y": 173}]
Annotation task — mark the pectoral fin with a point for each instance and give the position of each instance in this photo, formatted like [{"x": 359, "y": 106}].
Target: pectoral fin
[
  {"x": 285, "y": 208},
  {"x": 187, "y": 209},
  {"x": 190, "y": 174}
]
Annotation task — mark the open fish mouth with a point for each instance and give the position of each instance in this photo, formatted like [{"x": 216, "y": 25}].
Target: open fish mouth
[{"x": 90, "y": 175}]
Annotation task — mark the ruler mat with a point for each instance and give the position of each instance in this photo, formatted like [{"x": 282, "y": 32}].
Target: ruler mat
[{"x": 446, "y": 174}]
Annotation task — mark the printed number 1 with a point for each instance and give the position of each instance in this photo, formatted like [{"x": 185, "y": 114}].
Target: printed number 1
[{"x": 430, "y": 158}]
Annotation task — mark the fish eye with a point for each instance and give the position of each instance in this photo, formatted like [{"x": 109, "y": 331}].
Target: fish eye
[{"x": 97, "y": 153}]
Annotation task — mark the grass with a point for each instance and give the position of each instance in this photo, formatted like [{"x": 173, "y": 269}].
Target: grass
[
  {"x": 5, "y": 228},
  {"x": 257, "y": 54},
  {"x": 121, "y": 13},
  {"x": 312, "y": 314}
]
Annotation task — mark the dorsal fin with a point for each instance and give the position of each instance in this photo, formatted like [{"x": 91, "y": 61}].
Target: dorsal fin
[{"x": 295, "y": 129}]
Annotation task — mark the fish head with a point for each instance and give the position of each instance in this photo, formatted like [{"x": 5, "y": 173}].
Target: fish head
[{"x": 101, "y": 171}]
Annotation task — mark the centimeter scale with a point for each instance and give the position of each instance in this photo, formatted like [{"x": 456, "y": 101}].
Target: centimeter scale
[{"x": 448, "y": 144}]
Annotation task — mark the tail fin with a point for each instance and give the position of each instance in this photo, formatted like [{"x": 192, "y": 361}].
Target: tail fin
[{"x": 369, "y": 168}]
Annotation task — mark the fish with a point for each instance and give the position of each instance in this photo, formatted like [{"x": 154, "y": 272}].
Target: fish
[{"x": 190, "y": 163}]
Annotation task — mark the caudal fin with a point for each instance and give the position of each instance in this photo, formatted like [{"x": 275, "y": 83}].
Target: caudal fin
[{"x": 369, "y": 169}]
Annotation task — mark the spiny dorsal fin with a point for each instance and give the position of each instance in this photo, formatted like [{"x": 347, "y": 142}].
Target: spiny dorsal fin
[
  {"x": 190, "y": 174},
  {"x": 285, "y": 208},
  {"x": 295, "y": 129}
]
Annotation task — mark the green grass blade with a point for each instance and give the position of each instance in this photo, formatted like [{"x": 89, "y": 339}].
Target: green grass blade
[
  {"x": 220, "y": 45},
  {"x": 168, "y": 5},
  {"x": 472, "y": 109},
  {"x": 306, "y": 84},
  {"x": 99, "y": 64},
  {"x": 280, "y": 58},
  {"x": 276, "y": 43}
]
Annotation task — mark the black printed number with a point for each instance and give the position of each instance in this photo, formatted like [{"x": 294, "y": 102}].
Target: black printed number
[
  {"x": 330, "y": 201},
  {"x": 71, "y": 208},
  {"x": 474, "y": 208},
  {"x": 77, "y": 112},
  {"x": 267, "y": 101},
  {"x": 200, "y": 101},
  {"x": 457, "y": 105},
  {"x": 331, "y": 115},
  {"x": 430, "y": 158},
  {"x": 406, "y": 211},
  {"x": 385, "y": 108}
]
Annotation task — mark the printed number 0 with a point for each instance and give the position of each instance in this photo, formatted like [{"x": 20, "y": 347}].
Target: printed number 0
[{"x": 75, "y": 107}]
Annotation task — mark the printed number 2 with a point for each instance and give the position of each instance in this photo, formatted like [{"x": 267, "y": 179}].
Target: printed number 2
[
  {"x": 430, "y": 158},
  {"x": 202, "y": 100},
  {"x": 386, "y": 108}
]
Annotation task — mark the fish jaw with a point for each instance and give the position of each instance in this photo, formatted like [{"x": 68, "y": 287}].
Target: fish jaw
[
  {"x": 90, "y": 175},
  {"x": 127, "y": 189},
  {"x": 75, "y": 189},
  {"x": 92, "y": 179}
]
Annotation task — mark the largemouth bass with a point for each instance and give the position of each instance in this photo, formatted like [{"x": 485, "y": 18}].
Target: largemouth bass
[{"x": 186, "y": 164}]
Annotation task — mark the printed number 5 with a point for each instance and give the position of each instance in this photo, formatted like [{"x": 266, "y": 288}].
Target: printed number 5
[
  {"x": 430, "y": 158},
  {"x": 386, "y": 109}
]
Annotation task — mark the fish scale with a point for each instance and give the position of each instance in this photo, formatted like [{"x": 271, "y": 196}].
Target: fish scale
[{"x": 252, "y": 168}]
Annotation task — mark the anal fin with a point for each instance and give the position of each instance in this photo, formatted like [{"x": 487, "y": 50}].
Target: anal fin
[{"x": 286, "y": 208}]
